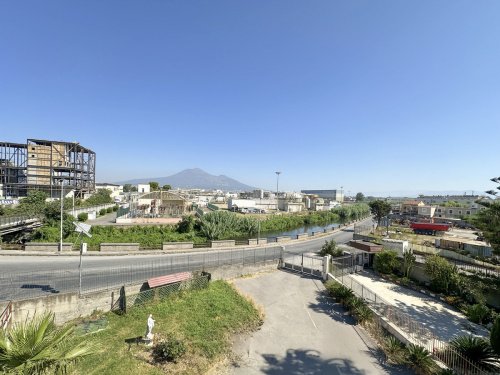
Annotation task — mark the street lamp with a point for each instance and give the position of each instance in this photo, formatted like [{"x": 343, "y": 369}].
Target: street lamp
[
  {"x": 277, "y": 183},
  {"x": 62, "y": 214}
]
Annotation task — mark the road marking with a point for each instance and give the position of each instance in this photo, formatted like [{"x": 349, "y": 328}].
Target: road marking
[{"x": 310, "y": 317}]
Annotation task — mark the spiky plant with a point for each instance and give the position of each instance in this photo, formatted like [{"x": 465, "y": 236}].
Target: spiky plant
[
  {"x": 478, "y": 351},
  {"x": 419, "y": 359},
  {"x": 394, "y": 350},
  {"x": 38, "y": 346}
]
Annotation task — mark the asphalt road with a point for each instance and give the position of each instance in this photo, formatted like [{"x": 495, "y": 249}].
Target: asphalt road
[
  {"x": 304, "y": 332},
  {"x": 30, "y": 276}
]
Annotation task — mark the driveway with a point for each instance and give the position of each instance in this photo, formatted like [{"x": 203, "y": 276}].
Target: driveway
[{"x": 304, "y": 332}]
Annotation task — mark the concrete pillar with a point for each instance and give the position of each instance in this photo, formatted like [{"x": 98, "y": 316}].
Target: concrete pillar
[{"x": 326, "y": 263}]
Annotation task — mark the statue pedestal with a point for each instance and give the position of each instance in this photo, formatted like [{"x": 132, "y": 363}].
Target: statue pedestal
[{"x": 148, "y": 340}]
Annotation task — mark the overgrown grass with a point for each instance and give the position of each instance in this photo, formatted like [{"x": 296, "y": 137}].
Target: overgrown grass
[{"x": 204, "y": 319}]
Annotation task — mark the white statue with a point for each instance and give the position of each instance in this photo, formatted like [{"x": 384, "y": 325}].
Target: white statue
[{"x": 151, "y": 324}]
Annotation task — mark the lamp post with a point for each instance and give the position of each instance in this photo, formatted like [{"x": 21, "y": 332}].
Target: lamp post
[
  {"x": 277, "y": 183},
  {"x": 61, "y": 227}
]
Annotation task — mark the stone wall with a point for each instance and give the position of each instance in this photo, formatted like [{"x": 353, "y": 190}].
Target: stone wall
[
  {"x": 119, "y": 247},
  {"x": 224, "y": 243},
  {"x": 283, "y": 239},
  {"x": 47, "y": 246},
  {"x": 177, "y": 245}
]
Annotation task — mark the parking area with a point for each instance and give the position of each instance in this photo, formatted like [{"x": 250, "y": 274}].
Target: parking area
[{"x": 304, "y": 332}]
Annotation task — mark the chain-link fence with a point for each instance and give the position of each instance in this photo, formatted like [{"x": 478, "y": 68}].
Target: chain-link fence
[
  {"x": 162, "y": 292},
  {"x": 25, "y": 285}
]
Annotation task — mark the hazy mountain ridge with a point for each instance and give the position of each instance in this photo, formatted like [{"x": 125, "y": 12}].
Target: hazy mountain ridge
[{"x": 195, "y": 178}]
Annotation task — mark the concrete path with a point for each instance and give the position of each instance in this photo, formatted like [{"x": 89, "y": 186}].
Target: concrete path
[
  {"x": 304, "y": 332},
  {"x": 443, "y": 320}
]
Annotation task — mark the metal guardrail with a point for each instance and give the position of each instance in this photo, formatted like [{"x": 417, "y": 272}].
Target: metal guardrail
[{"x": 7, "y": 221}]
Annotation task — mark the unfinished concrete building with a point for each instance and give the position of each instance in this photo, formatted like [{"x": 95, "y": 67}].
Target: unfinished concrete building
[{"x": 47, "y": 166}]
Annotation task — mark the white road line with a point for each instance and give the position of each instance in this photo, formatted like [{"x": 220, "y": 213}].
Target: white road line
[{"x": 310, "y": 317}]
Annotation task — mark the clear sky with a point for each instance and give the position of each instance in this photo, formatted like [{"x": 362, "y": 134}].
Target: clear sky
[{"x": 374, "y": 96}]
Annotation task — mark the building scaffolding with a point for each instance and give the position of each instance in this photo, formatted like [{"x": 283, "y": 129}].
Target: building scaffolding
[{"x": 46, "y": 166}]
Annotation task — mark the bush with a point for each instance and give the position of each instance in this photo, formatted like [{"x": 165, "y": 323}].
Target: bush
[
  {"x": 330, "y": 248},
  {"x": 109, "y": 210},
  {"x": 419, "y": 359},
  {"x": 443, "y": 274},
  {"x": 495, "y": 335},
  {"x": 478, "y": 313},
  {"x": 83, "y": 216},
  {"x": 386, "y": 261},
  {"x": 115, "y": 208},
  {"x": 169, "y": 350},
  {"x": 102, "y": 211}
]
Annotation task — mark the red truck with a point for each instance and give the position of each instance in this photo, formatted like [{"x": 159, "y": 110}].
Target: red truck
[{"x": 429, "y": 228}]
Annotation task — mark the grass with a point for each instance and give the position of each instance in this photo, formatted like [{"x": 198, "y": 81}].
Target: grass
[{"x": 204, "y": 319}]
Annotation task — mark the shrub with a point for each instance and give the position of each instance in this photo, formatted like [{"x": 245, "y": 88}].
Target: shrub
[
  {"x": 495, "y": 335},
  {"x": 419, "y": 359},
  {"x": 478, "y": 313},
  {"x": 442, "y": 273},
  {"x": 109, "y": 210},
  {"x": 102, "y": 211},
  {"x": 477, "y": 350},
  {"x": 394, "y": 350},
  {"x": 169, "y": 350},
  {"x": 115, "y": 208},
  {"x": 83, "y": 216},
  {"x": 386, "y": 261},
  {"x": 330, "y": 248}
]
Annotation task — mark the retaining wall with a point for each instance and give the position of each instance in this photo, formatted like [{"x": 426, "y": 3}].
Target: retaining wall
[
  {"x": 255, "y": 241},
  {"x": 177, "y": 245},
  {"x": 119, "y": 247},
  {"x": 224, "y": 243},
  {"x": 47, "y": 246},
  {"x": 283, "y": 239}
]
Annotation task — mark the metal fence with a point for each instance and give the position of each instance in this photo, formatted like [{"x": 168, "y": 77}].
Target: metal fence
[
  {"x": 414, "y": 331},
  {"x": 17, "y": 286},
  {"x": 303, "y": 263},
  {"x": 162, "y": 292}
]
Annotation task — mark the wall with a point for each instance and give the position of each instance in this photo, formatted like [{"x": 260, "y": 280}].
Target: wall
[
  {"x": 78, "y": 211},
  {"x": 119, "y": 247},
  {"x": 177, "y": 245},
  {"x": 47, "y": 246},
  {"x": 224, "y": 243},
  {"x": 69, "y": 306}
]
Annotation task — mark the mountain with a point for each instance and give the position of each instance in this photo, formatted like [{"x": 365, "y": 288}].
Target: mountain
[{"x": 196, "y": 179}]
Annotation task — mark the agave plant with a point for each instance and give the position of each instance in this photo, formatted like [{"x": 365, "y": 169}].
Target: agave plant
[
  {"x": 394, "y": 350},
  {"x": 40, "y": 347},
  {"x": 419, "y": 359},
  {"x": 478, "y": 351}
]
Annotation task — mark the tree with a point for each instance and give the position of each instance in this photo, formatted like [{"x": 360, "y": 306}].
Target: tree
[
  {"x": 330, "y": 248},
  {"x": 442, "y": 273},
  {"x": 385, "y": 261},
  {"x": 166, "y": 187},
  {"x": 38, "y": 347},
  {"x": 488, "y": 221},
  {"x": 408, "y": 262},
  {"x": 101, "y": 196},
  {"x": 186, "y": 225},
  {"x": 127, "y": 188},
  {"x": 477, "y": 350},
  {"x": 380, "y": 209},
  {"x": 34, "y": 203},
  {"x": 360, "y": 197},
  {"x": 154, "y": 186},
  {"x": 495, "y": 335}
]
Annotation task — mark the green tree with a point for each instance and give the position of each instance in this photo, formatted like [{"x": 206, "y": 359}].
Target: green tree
[
  {"x": 408, "y": 262},
  {"x": 442, "y": 273},
  {"x": 495, "y": 335},
  {"x": 166, "y": 187},
  {"x": 101, "y": 196},
  {"x": 40, "y": 347},
  {"x": 186, "y": 225},
  {"x": 127, "y": 188},
  {"x": 154, "y": 186},
  {"x": 360, "y": 197},
  {"x": 477, "y": 350},
  {"x": 34, "y": 203},
  {"x": 330, "y": 248},
  {"x": 488, "y": 221},
  {"x": 380, "y": 209},
  {"x": 386, "y": 261}
]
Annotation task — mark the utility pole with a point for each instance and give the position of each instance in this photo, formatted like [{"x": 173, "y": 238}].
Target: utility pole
[{"x": 62, "y": 214}]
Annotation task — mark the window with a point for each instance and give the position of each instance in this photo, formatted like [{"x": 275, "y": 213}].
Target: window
[
  {"x": 468, "y": 212},
  {"x": 460, "y": 212},
  {"x": 450, "y": 211}
]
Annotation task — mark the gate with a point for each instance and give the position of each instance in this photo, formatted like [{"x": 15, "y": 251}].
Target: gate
[{"x": 303, "y": 263}]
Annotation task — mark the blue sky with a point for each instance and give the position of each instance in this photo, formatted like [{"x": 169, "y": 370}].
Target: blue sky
[{"x": 375, "y": 96}]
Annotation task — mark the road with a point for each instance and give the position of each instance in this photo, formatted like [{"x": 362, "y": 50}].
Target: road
[
  {"x": 304, "y": 332},
  {"x": 29, "y": 276}
]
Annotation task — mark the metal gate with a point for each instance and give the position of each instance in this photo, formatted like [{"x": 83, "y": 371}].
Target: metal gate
[{"x": 303, "y": 263}]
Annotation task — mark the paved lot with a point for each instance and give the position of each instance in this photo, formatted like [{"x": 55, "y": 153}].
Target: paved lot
[
  {"x": 444, "y": 321},
  {"x": 303, "y": 332}
]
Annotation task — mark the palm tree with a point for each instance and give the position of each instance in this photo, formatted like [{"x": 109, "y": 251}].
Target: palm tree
[
  {"x": 477, "y": 350},
  {"x": 40, "y": 347},
  {"x": 419, "y": 359}
]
